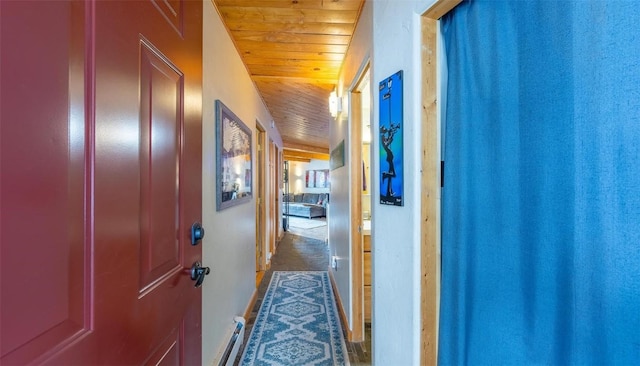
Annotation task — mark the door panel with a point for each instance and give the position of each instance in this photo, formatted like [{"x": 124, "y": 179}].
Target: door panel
[
  {"x": 168, "y": 353},
  {"x": 101, "y": 181},
  {"x": 44, "y": 253},
  {"x": 172, "y": 12},
  {"x": 148, "y": 180},
  {"x": 160, "y": 125}
]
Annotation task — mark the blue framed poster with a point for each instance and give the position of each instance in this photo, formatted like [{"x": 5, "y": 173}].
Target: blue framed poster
[{"x": 391, "y": 148}]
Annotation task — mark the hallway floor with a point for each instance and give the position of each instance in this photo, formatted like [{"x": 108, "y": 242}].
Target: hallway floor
[
  {"x": 319, "y": 233},
  {"x": 299, "y": 253}
]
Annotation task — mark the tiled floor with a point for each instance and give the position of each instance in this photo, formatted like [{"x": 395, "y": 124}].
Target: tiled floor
[
  {"x": 299, "y": 253},
  {"x": 360, "y": 353}
]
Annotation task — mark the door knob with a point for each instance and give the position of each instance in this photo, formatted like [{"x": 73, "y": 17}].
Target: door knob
[
  {"x": 198, "y": 272},
  {"x": 197, "y": 233}
]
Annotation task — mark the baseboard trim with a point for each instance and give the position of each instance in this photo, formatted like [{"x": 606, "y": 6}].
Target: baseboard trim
[
  {"x": 343, "y": 315},
  {"x": 249, "y": 308}
]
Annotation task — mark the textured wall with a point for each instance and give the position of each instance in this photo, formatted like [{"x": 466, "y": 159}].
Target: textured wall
[
  {"x": 395, "y": 232},
  {"x": 339, "y": 212},
  {"x": 229, "y": 244}
]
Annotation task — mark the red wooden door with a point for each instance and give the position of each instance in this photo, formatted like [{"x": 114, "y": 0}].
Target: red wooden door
[{"x": 101, "y": 182}]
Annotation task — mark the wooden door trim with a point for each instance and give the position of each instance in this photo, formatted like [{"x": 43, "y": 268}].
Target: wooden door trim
[
  {"x": 261, "y": 205},
  {"x": 357, "y": 257},
  {"x": 279, "y": 185},
  {"x": 355, "y": 194},
  {"x": 272, "y": 198},
  {"x": 430, "y": 202},
  {"x": 440, "y": 8}
]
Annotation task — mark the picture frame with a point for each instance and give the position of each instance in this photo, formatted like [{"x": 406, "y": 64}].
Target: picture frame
[
  {"x": 336, "y": 158},
  {"x": 317, "y": 178},
  {"x": 391, "y": 159},
  {"x": 234, "y": 159}
]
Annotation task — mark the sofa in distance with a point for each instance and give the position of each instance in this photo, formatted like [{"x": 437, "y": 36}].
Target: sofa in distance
[{"x": 307, "y": 205}]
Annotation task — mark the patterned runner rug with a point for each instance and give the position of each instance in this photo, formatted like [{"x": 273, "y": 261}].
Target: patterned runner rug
[{"x": 297, "y": 324}]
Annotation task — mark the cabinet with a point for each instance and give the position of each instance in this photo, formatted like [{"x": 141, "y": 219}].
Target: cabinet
[{"x": 367, "y": 278}]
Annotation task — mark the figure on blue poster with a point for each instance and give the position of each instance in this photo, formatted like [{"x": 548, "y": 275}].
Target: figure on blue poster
[
  {"x": 391, "y": 174},
  {"x": 386, "y": 138}
]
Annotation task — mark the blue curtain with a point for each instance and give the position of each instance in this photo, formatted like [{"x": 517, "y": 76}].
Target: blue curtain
[{"x": 541, "y": 203}]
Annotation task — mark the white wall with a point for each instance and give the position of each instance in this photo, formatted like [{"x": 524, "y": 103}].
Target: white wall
[
  {"x": 229, "y": 244},
  {"x": 395, "y": 230},
  {"x": 339, "y": 209},
  {"x": 297, "y": 171}
]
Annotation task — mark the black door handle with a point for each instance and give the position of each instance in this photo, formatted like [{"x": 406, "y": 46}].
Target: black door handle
[
  {"x": 197, "y": 233},
  {"x": 198, "y": 272}
]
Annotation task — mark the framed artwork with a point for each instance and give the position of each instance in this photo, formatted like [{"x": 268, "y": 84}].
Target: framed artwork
[
  {"x": 309, "y": 179},
  {"x": 391, "y": 147},
  {"x": 234, "y": 159},
  {"x": 336, "y": 159},
  {"x": 322, "y": 178},
  {"x": 317, "y": 178}
]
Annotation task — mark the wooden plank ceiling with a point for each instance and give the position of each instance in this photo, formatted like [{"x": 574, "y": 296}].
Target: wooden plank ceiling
[{"x": 293, "y": 50}]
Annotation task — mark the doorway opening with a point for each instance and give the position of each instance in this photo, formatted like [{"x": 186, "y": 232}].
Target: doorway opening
[
  {"x": 306, "y": 194},
  {"x": 360, "y": 131},
  {"x": 274, "y": 222},
  {"x": 260, "y": 205}
]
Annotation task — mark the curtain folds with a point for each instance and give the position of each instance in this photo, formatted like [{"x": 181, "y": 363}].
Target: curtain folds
[{"x": 541, "y": 204}]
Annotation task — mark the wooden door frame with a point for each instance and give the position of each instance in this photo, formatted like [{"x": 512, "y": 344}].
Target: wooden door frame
[
  {"x": 430, "y": 180},
  {"x": 260, "y": 189},
  {"x": 279, "y": 186},
  {"x": 273, "y": 198},
  {"x": 355, "y": 193}
]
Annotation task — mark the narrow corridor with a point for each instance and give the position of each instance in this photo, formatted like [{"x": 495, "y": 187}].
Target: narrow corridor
[{"x": 300, "y": 253}]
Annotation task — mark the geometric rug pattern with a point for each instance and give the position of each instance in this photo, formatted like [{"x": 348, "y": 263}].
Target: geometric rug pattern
[{"x": 297, "y": 324}]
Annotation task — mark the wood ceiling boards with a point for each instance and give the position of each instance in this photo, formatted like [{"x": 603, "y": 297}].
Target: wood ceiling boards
[
  {"x": 303, "y": 156},
  {"x": 293, "y": 50}
]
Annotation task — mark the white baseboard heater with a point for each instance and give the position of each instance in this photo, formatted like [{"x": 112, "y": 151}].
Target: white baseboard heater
[{"x": 237, "y": 337}]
